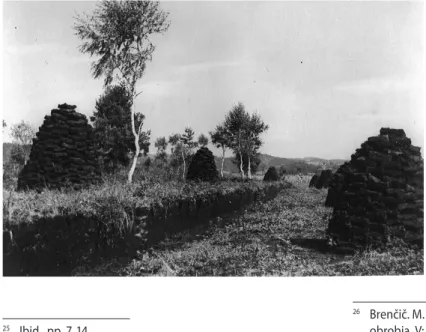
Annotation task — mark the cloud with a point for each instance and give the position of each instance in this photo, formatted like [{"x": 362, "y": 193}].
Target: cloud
[
  {"x": 159, "y": 89},
  {"x": 204, "y": 66},
  {"x": 33, "y": 49},
  {"x": 67, "y": 54},
  {"x": 380, "y": 85}
]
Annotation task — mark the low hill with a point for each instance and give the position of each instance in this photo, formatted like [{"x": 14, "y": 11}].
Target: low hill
[
  {"x": 292, "y": 165},
  {"x": 307, "y": 165}
]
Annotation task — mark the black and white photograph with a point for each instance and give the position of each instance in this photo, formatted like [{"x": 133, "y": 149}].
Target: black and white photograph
[{"x": 213, "y": 139}]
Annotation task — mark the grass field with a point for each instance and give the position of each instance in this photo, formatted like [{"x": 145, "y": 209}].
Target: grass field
[{"x": 282, "y": 237}]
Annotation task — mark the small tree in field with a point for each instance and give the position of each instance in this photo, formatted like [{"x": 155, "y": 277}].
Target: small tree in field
[
  {"x": 119, "y": 33},
  {"x": 187, "y": 141},
  {"x": 161, "y": 145},
  {"x": 243, "y": 135},
  {"x": 250, "y": 165},
  {"x": 235, "y": 125},
  {"x": 147, "y": 163},
  {"x": 181, "y": 148},
  {"x": 282, "y": 171},
  {"x": 221, "y": 140},
  {"x": 112, "y": 126},
  {"x": 22, "y": 134},
  {"x": 252, "y": 141},
  {"x": 175, "y": 147},
  {"x": 203, "y": 140}
]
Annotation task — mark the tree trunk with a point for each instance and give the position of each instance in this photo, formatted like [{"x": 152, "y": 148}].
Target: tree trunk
[
  {"x": 223, "y": 160},
  {"x": 241, "y": 166},
  {"x": 138, "y": 149},
  {"x": 184, "y": 166},
  {"x": 249, "y": 168}
]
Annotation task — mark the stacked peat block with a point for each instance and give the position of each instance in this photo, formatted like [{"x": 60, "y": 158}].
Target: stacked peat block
[
  {"x": 322, "y": 181},
  {"x": 203, "y": 166},
  {"x": 271, "y": 174},
  {"x": 63, "y": 153},
  {"x": 379, "y": 193},
  {"x": 313, "y": 181}
]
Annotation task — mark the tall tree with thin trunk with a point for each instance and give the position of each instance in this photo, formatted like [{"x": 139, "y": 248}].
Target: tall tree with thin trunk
[
  {"x": 252, "y": 142},
  {"x": 119, "y": 33},
  {"x": 235, "y": 126},
  {"x": 112, "y": 128},
  {"x": 187, "y": 141},
  {"x": 221, "y": 140}
]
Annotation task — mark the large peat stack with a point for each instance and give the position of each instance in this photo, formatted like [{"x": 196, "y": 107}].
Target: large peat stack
[
  {"x": 203, "y": 166},
  {"x": 63, "y": 154},
  {"x": 379, "y": 193}
]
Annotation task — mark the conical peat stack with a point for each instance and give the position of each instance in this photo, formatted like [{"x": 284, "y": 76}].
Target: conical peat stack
[
  {"x": 203, "y": 166},
  {"x": 379, "y": 193},
  {"x": 322, "y": 181},
  {"x": 271, "y": 174},
  {"x": 63, "y": 153}
]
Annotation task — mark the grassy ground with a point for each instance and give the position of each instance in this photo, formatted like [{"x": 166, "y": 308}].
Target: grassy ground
[{"x": 283, "y": 237}]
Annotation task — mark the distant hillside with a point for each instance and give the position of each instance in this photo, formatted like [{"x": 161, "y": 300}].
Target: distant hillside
[
  {"x": 314, "y": 160},
  {"x": 307, "y": 165}
]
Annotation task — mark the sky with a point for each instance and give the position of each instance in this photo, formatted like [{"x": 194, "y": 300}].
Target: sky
[{"x": 324, "y": 76}]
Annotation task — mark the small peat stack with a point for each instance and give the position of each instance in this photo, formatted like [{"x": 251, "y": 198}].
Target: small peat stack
[
  {"x": 203, "y": 166},
  {"x": 63, "y": 154},
  {"x": 271, "y": 174},
  {"x": 379, "y": 193},
  {"x": 322, "y": 181}
]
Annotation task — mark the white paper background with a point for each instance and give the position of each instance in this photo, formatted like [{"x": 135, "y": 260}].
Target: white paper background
[{"x": 209, "y": 304}]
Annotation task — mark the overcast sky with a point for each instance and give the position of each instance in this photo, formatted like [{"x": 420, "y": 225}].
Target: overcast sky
[{"x": 324, "y": 75}]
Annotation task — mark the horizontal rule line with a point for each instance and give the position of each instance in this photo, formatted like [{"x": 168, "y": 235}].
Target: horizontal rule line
[
  {"x": 389, "y": 302},
  {"x": 70, "y": 318}
]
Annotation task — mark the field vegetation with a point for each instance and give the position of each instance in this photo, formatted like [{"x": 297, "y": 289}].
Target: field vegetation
[
  {"x": 282, "y": 237},
  {"x": 113, "y": 198}
]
